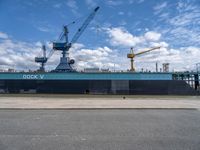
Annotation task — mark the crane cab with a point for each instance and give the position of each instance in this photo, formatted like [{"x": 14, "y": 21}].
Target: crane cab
[
  {"x": 41, "y": 59},
  {"x": 131, "y": 54},
  {"x": 59, "y": 46}
]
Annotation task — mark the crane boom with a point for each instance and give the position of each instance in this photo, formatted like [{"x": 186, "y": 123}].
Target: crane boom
[
  {"x": 151, "y": 49},
  {"x": 83, "y": 27}
]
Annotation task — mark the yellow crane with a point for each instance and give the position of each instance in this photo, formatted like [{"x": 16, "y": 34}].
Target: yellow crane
[{"x": 131, "y": 55}]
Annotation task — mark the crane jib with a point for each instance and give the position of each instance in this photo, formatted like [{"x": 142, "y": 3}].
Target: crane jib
[{"x": 84, "y": 25}]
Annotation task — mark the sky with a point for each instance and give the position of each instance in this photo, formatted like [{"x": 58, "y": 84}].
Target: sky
[{"x": 119, "y": 25}]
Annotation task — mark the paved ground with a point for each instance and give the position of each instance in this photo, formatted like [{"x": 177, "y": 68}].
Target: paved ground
[
  {"x": 94, "y": 102},
  {"x": 100, "y": 129}
]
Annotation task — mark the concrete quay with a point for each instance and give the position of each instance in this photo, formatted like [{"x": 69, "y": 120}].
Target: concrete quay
[{"x": 98, "y": 102}]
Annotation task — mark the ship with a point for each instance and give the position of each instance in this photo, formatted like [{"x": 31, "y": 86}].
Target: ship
[{"x": 64, "y": 79}]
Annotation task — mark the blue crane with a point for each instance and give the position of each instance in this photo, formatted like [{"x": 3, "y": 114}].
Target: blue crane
[
  {"x": 65, "y": 61},
  {"x": 42, "y": 60}
]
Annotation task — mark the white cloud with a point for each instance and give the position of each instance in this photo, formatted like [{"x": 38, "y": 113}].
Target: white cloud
[
  {"x": 156, "y": 44},
  {"x": 184, "y": 36},
  {"x": 102, "y": 57},
  {"x": 113, "y": 2},
  {"x": 184, "y": 19},
  {"x": 43, "y": 29},
  {"x": 164, "y": 17},
  {"x": 3, "y": 35},
  {"x": 183, "y": 6},
  {"x": 152, "y": 36},
  {"x": 20, "y": 55},
  {"x": 160, "y": 7},
  {"x": 91, "y": 3},
  {"x": 45, "y": 26},
  {"x": 74, "y": 7},
  {"x": 120, "y": 36},
  {"x": 72, "y": 4},
  {"x": 178, "y": 58},
  {"x": 181, "y": 27}
]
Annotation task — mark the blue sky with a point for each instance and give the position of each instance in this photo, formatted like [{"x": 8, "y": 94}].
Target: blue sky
[{"x": 119, "y": 24}]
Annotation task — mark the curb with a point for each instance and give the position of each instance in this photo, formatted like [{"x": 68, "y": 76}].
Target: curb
[{"x": 99, "y": 109}]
